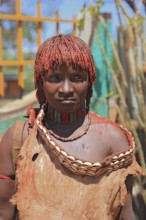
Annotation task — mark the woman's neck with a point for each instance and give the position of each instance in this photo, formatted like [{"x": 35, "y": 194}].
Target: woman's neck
[{"x": 65, "y": 117}]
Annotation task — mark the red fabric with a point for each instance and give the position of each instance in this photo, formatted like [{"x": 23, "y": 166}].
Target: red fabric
[{"x": 4, "y": 177}]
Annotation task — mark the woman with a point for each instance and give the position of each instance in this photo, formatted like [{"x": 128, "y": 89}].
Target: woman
[{"x": 73, "y": 164}]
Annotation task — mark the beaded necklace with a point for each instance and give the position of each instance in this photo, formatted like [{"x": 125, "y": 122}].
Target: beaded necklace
[
  {"x": 66, "y": 118},
  {"x": 64, "y": 139}
]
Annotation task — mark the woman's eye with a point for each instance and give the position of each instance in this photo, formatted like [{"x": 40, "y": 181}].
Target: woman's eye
[
  {"x": 54, "y": 78},
  {"x": 77, "y": 78}
]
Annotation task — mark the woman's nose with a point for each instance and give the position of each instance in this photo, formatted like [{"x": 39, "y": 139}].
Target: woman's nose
[{"x": 66, "y": 88}]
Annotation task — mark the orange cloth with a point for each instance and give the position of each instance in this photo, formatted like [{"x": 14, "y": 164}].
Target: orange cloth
[{"x": 48, "y": 191}]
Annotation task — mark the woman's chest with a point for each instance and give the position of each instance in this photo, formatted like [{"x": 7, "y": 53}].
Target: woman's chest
[{"x": 91, "y": 147}]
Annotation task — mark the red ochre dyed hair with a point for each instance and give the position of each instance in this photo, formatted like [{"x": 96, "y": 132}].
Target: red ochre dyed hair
[{"x": 60, "y": 50}]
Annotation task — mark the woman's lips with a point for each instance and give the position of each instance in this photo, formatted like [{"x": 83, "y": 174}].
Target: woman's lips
[{"x": 67, "y": 101}]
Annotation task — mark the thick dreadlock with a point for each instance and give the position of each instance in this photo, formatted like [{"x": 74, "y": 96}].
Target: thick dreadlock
[{"x": 60, "y": 50}]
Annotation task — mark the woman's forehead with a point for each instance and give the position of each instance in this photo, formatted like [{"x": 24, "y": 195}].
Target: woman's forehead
[{"x": 66, "y": 69}]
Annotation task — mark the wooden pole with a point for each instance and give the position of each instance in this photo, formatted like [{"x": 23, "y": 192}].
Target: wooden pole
[
  {"x": 57, "y": 22},
  {"x": 74, "y": 26},
  {"x": 2, "y": 92},
  {"x": 19, "y": 41},
  {"x": 39, "y": 24}
]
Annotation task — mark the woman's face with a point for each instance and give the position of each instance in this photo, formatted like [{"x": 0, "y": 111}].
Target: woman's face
[{"x": 65, "y": 88}]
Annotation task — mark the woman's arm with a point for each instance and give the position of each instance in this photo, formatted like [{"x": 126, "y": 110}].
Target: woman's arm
[
  {"x": 127, "y": 210},
  {"x": 120, "y": 143},
  {"x": 7, "y": 174}
]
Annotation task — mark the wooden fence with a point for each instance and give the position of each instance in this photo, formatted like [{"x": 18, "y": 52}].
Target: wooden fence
[{"x": 19, "y": 18}]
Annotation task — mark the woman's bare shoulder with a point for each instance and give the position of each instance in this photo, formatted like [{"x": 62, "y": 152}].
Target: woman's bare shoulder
[
  {"x": 12, "y": 133},
  {"x": 7, "y": 138},
  {"x": 115, "y": 135},
  {"x": 17, "y": 133},
  {"x": 6, "y": 165}
]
